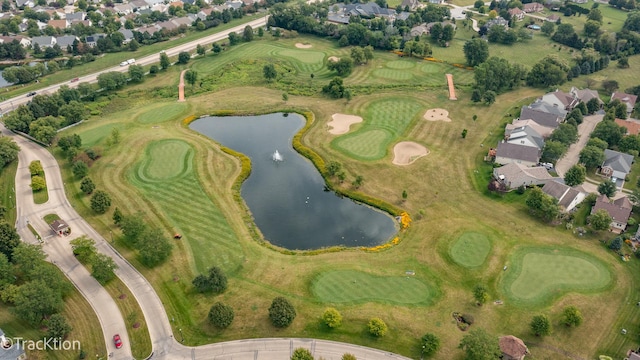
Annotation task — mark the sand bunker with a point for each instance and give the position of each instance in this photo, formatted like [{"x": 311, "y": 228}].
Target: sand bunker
[
  {"x": 341, "y": 123},
  {"x": 334, "y": 58},
  {"x": 406, "y": 152},
  {"x": 303, "y": 46},
  {"x": 437, "y": 115}
]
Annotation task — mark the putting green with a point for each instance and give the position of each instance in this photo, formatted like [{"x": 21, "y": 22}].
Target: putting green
[
  {"x": 158, "y": 114},
  {"x": 430, "y": 68},
  {"x": 346, "y": 286},
  {"x": 400, "y": 64},
  {"x": 470, "y": 249},
  {"x": 384, "y": 121},
  {"x": 538, "y": 275},
  {"x": 166, "y": 159}
]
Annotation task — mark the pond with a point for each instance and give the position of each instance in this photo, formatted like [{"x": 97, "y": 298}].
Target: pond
[{"x": 285, "y": 192}]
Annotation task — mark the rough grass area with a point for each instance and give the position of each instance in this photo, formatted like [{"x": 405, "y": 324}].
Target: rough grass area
[
  {"x": 162, "y": 113},
  {"x": 537, "y": 275},
  {"x": 7, "y": 191},
  {"x": 357, "y": 287},
  {"x": 470, "y": 249}
]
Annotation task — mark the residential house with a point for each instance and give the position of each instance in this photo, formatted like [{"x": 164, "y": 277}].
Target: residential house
[
  {"x": 436, "y": 2},
  {"x": 568, "y": 197},
  {"x": 585, "y": 95},
  {"x": 516, "y": 14},
  {"x": 497, "y": 21},
  {"x": 139, "y": 5},
  {"x": 544, "y": 131},
  {"x": 128, "y": 35},
  {"x": 411, "y": 4},
  {"x": 23, "y": 40},
  {"x": 526, "y": 136},
  {"x": 561, "y": 99},
  {"x": 532, "y": 7},
  {"x": 9, "y": 350},
  {"x": 202, "y": 14},
  {"x": 178, "y": 4},
  {"x": 76, "y": 16},
  {"x": 151, "y": 29},
  {"x": 419, "y": 30},
  {"x": 628, "y": 99},
  {"x": 123, "y": 9},
  {"x": 64, "y": 41},
  {"x": 25, "y": 3},
  {"x": 549, "y": 108},
  {"x": 43, "y": 41},
  {"x": 633, "y": 355},
  {"x": 512, "y": 348},
  {"x": 616, "y": 166},
  {"x": 632, "y": 125},
  {"x": 619, "y": 210},
  {"x": 552, "y": 18},
  {"x": 154, "y": 2},
  {"x": 507, "y": 153},
  {"x": 580, "y": 1},
  {"x": 59, "y": 24},
  {"x": 92, "y": 40},
  {"x": 514, "y": 175},
  {"x": 367, "y": 10},
  {"x": 541, "y": 117}
]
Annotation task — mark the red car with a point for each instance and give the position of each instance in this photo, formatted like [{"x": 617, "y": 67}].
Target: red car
[
  {"x": 75, "y": 79},
  {"x": 117, "y": 341}
]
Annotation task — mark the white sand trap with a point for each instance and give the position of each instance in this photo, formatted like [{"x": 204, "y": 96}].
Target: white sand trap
[
  {"x": 303, "y": 46},
  {"x": 406, "y": 152},
  {"x": 334, "y": 58},
  {"x": 437, "y": 115},
  {"x": 341, "y": 123}
]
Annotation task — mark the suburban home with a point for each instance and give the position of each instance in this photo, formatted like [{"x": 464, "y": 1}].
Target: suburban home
[
  {"x": 568, "y": 197},
  {"x": 628, "y": 99},
  {"x": 526, "y": 136},
  {"x": 507, "y": 153},
  {"x": 151, "y": 29},
  {"x": 123, "y": 9},
  {"x": 92, "y": 40},
  {"x": 549, "y": 108},
  {"x": 561, "y": 99},
  {"x": 580, "y": 1},
  {"x": 541, "y": 117},
  {"x": 59, "y": 24},
  {"x": 619, "y": 210},
  {"x": 585, "y": 95},
  {"x": 544, "y": 131},
  {"x": 24, "y": 3},
  {"x": 66, "y": 40},
  {"x": 512, "y": 348},
  {"x": 616, "y": 166},
  {"x": 632, "y": 125},
  {"x": 412, "y": 4},
  {"x": 496, "y": 21},
  {"x": 128, "y": 35},
  {"x": 23, "y": 40},
  {"x": 139, "y": 4},
  {"x": 367, "y": 10},
  {"x": 43, "y": 41},
  {"x": 516, "y": 13},
  {"x": 60, "y": 227},
  {"x": 436, "y": 2},
  {"x": 532, "y": 7},
  {"x": 633, "y": 355},
  {"x": 514, "y": 175},
  {"x": 202, "y": 14},
  {"x": 419, "y": 30},
  {"x": 552, "y": 18},
  {"x": 10, "y": 351}
]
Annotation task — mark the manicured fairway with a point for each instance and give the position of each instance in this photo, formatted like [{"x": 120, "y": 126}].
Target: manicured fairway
[
  {"x": 165, "y": 176},
  {"x": 537, "y": 275},
  {"x": 357, "y": 287},
  {"x": 470, "y": 249},
  {"x": 162, "y": 113},
  {"x": 94, "y": 136},
  {"x": 384, "y": 121}
]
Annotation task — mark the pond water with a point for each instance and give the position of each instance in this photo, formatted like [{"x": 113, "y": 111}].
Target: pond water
[{"x": 288, "y": 198}]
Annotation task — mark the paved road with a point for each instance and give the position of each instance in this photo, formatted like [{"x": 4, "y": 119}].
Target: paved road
[
  {"x": 572, "y": 156},
  {"x": 458, "y": 13}
]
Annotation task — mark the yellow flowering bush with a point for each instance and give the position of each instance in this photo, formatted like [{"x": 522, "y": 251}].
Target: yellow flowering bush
[
  {"x": 188, "y": 120},
  {"x": 405, "y": 220}
]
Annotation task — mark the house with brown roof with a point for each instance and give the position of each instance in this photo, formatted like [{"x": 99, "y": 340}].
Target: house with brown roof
[
  {"x": 552, "y": 18},
  {"x": 516, "y": 13},
  {"x": 585, "y": 95},
  {"x": 507, "y": 153},
  {"x": 58, "y": 24},
  {"x": 561, "y": 99},
  {"x": 544, "y": 131},
  {"x": 514, "y": 175},
  {"x": 568, "y": 197},
  {"x": 632, "y": 125},
  {"x": 532, "y": 7},
  {"x": 512, "y": 348},
  {"x": 60, "y": 227},
  {"x": 619, "y": 210},
  {"x": 628, "y": 99}
]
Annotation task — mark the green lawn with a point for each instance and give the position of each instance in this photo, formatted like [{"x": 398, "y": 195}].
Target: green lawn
[
  {"x": 470, "y": 249},
  {"x": 49, "y": 218},
  {"x": 162, "y": 113},
  {"x": 41, "y": 196},
  {"x": 7, "y": 191}
]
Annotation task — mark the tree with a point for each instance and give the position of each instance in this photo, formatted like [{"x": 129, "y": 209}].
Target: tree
[
  {"x": 623, "y": 62},
  {"x": 35, "y": 167},
  {"x": 8, "y": 150},
  {"x": 164, "y": 61},
  {"x": 234, "y": 39},
  {"x": 74, "y": 111},
  {"x": 600, "y": 220},
  {"x": 38, "y": 183},
  {"x": 87, "y": 186},
  {"x": 333, "y": 168},
  {"x": 6, "y": 272},
  {"x": 136, "y": 73},
  {"x": 117, "y": 217},
  {"x": 281, "y": 312},
  {"x": 84, "y": 248},
  {"x": 547, "y": 28},
  {"x": 335, "y": 88},
  {"x": 575, "y": 175},
  {"x": 153, "y": 248},
  {"x": 607, "y": 188},
  {"x": 610, "y": 85},
  {"x": 478, "y": 345},
  {"x": 200, "y": 50},
  {"x": 592, "y": 156},
  {"x": 476, "y": 52},
  {"x": 357, "y": 54},
  {"x": 540, "y": 325},
  {"x": 464, "y": 133},
  {"x": 565, "y": 133},
  {"x": 191, "y": 76},
  {"x": 553, "y": 150},
  {"x": 377, "y": 327},
  {"x": 430, "y": 344},
  {"x": 36, "y": 299},
  {"x": 332, "y": 318},
  {"x": 9, "y": 239},
  {"x": 221, "y": 315},
  {"x": 115, "y": 136},
  {"x": 183, "y": 57},
  {"x": 112, "y": 80},
  {"x": 269, "y": 72},
  {"x": 357, "y": 182},
  {"x": 100, "y": 202},
  {"x": 103, "y": 268},
  {"x": 616, "y": 244},
  {"x": 342, "y": 67},
  {"x": 216, "y": 48},
  {"x": 489, "y": 97},
  {"x": 347, "y": 356},
  {"x": 247, "y": 34},
  {"x": 481, "y": 294},
  {"x": 80, "y": 169},
  {"x": 547, "y": 72},
  {"x": 301, "y": 354},
  {"x": 571, "y": 316},
  {"x": 215, "y": 281},
  {"x": 542, "y": 205},
  {"x": 593, "y": 105}
]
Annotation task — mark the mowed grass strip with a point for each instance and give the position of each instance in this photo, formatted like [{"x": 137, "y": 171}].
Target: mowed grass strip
[
  {"x": 538, "y": 275},
  {"x": 162, "y": 113},
  {"x": 470, "y": 249},
  {"x": 183, "y": 201},
  {"x": 384, "y": 121},
  {"x": 347, "y": 286}
]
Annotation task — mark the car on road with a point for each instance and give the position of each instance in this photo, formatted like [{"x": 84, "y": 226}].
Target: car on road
[
  {"x": 31, "y": 93},
  {"x": 117, "y": 341},
  {"x": 75, "y": 79}
]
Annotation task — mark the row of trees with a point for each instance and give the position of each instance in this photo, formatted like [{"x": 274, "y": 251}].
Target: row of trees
[
  {"x": 152, "y": 245},
  {"x": 102, "y": 266}
]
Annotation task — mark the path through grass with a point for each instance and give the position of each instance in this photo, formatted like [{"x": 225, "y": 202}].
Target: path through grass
[{"x": 470, "y": 249}]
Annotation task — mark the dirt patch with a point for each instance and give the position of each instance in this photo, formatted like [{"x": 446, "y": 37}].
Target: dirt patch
[
  {"x": 406, "y": 152},
  {"x": 437, "y": 115},
  {"x": 334, "y": 58},
  {"x": 342, "y": 122},
  {"x": 303, "y": 46}
]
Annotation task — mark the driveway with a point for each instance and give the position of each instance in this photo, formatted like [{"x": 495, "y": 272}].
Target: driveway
[{"x": 572, "y": 156}]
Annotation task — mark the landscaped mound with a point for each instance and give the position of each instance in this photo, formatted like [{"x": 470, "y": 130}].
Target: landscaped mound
[
  {"x": 538, "y": 275},
  {"x": 406, "y": 152},
  {"x": 341, "y": 123},
  {"x": 334, "y": 58},
  {"x": 347, "y": 286},
  {"x": 303, "y": 46},
  {"x": 437, "y": 115},
  {"x": 470, "y": 249}
]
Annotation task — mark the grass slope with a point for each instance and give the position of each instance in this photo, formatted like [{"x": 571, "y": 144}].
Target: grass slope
[{"x": 470, "y": 249}]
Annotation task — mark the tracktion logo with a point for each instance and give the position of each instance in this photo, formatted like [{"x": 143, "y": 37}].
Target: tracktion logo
[{"x": 48, "y": 344}]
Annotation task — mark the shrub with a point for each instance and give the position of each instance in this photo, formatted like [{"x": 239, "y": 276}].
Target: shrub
[
  {"x": 100, "y": 202},
  {"x": 221, "y": 315},
  {"x": 332, "y": 318},
  {"x": 38, "y": 183},
  {"x": 467, "y": 319},
  {"x": 430, "y": 344},
  {"x": 377, "y": 327},
  {"x": 347, "y": 356},
  {"x": 80, "y": 169},
  {"x": 215, "y": 281},
  {"x": 301, "y": 354},
  {"x": 281, "y": 312}
]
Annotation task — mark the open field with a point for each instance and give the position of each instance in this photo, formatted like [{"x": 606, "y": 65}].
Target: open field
[
  {"x": 181, "y": 182},
  {"x": 470, "y": 249},
  {"x": 7, "y": 191}
]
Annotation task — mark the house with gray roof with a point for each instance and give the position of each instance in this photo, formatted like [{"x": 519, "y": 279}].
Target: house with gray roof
[
  {"x": 128, "y": 35},
  {"x": 92, "y": 40},
  {"x": 619, "y": 210},
  {"x": 412, "y": 4},
  {"x": 541, "y": 117},
  {"x": 561, "y": 99},
  {"x": 77, "y": 16},
  {"x": 66, "y": 40},
  {"x": 544, "y": 131},
  {"x": 43, "y": 41},
  {"x": 526, "y": 136},
  {"x": 585, "y": 95},
  {"x": 568, "y": 197},
  {"x": 29, "y": 3},
  {"x": 507, "y": 153},
  {"x": 514, "y": 175},
  {"x": 556, "y": 109},
  {"x": 9, "y": 350},
  {"x": 616, "y": 166}
]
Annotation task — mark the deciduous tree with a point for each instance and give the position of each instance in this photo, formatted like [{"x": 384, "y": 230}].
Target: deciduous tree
[
  {"x": 80, "y": 169},
  {"x": 332, "y": 318},
  {"x": 35, "y": 168},
  {"x": 575, "y": 175},
  {"x": 100, "y": 202},
  {"x": 377, "y": 327},
  {"x": 592, "y": 156},
  {"x": 164, "y": 61},
  {"x": 430, "y": 344},
  {"x": 481, "y": 294},
  {"x": 600, "y": 220},
  {"x": 103, "y": 268},
  {"x": 607, "y": 188},
  {"x": 476, "y": 52},
  {"x": 571, "y": 316},
  {"x": 269, "y": 72},
  {"x": 281, "y": 312},
  {"x": 540, "y": 325},
  {"x": 221, "y": 315},
  {"x": 38, "y": 183},
  {"x": 479, "y": 345},
  {"x": 87, "y": 186},
  {"x": 9, "y": 239},
  {"x": 57, "y": 327},
  {"x": 183, "y": 57}
]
